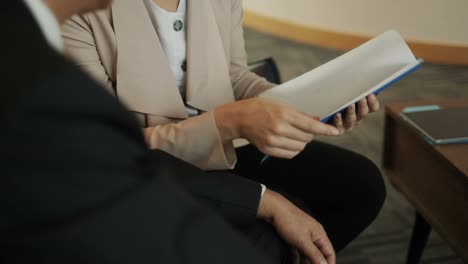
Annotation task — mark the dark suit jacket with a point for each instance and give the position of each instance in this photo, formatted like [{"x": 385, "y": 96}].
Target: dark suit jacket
[{"x": 78, "y": 184}]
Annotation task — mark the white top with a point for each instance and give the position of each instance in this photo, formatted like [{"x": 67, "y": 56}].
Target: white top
[
  {"x": 172, "y": 41},
  {"x": 48, "y": 23}
]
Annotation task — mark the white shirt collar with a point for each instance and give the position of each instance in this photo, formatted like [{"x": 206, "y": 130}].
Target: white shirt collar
[{"x": 47, "y": 22}]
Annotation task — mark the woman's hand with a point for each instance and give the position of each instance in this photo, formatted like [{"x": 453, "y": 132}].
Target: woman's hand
[
  {"x": 276, "y": 129},
  {"x": 306, "y": 236},
  {"x": 356, "y": 113}
]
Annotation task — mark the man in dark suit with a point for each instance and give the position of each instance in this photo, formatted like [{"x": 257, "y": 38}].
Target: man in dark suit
[{"x": 79, "y": 185}]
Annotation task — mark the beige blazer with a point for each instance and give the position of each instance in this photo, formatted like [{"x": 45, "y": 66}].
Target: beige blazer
[{"x": 120, "y": 48}]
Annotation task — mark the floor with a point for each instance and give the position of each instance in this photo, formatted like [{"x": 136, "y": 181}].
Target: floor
[{"x": 386, "y": 240}]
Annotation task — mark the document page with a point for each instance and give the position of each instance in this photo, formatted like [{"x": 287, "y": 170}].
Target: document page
[{"x": 333, "y": 86}]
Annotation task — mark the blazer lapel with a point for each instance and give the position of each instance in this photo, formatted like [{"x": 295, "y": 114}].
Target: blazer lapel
[
  {"x": 145, "y": 82},
  {"x": 208, "y": 80}
]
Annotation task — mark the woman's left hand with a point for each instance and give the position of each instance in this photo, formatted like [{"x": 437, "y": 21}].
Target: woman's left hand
[{"x": 356, "y": 113}]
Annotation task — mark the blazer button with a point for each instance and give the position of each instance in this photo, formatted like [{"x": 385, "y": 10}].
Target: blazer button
[
  {"x": 178, "y": 25},
  {"x": 184, "y": 66}
]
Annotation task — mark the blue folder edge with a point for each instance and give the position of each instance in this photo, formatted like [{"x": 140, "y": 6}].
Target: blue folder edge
[{"x": 385, "y": 86}]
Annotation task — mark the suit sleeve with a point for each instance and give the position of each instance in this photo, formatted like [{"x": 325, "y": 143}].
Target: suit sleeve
[
  {"x": 154, "y": 223},
  {"x": 195, "y": 140},
  {"x": 246, "y": 84},
  {"x": 79, "y": 186},
  {"x": 235, "y": 198}
]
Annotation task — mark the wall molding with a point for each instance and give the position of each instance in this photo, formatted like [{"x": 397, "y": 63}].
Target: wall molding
[{"x": 430, "y": 52}]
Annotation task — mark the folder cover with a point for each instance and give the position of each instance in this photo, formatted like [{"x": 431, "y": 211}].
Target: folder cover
[{"x": 331, "y": 87}]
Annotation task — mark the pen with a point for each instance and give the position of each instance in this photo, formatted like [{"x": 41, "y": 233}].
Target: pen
[{"x": 266, "y": 157}]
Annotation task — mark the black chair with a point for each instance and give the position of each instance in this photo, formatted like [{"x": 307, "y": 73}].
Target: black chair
[{"x": 266, "y": 68}]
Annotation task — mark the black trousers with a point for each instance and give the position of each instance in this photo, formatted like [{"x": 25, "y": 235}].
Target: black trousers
[{"x": 343, "y": 190}]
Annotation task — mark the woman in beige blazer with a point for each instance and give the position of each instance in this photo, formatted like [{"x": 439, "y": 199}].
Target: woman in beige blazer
[{"x": 121, "y": 48}]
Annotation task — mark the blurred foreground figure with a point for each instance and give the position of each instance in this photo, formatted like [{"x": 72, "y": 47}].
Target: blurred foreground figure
[{"x": 78, "y": 184}]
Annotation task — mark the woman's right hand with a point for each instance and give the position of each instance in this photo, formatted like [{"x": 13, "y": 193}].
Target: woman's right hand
[{"x": 276, "y": 129}]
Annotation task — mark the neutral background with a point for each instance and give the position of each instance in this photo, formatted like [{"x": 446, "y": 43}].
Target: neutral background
[{"x": 431, "y": 21}]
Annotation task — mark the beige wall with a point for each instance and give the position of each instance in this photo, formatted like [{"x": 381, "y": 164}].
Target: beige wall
[{"x": 432, "y": 21}]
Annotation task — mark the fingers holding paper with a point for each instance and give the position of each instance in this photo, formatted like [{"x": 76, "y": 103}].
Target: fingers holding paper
[
  {"x": 274, "y": 128},
  {"x": 373, "y": 103},
  {"x": 356, "y": 113},
  {"x": 281, "y": 131}
]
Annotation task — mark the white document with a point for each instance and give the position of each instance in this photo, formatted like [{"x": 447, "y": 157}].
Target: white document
[{"x": 333, "y": 86}]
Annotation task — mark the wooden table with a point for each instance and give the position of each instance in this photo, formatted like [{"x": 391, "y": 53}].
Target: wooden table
[{"x": 434, "y": 178}]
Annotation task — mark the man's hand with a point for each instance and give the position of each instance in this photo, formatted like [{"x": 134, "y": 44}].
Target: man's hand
[
  {"x": 356, "y": 113},
  {"x": 297, "y": 228}
]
